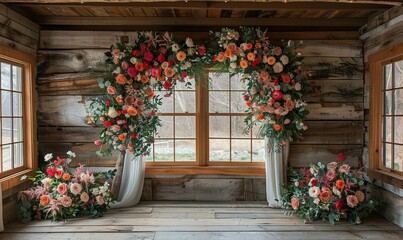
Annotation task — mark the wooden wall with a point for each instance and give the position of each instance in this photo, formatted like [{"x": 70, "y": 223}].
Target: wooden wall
[
  {"x": 19, "y": 33},
  {"x": 70, "y": 61},
  {"x": 379, "y": 34}
]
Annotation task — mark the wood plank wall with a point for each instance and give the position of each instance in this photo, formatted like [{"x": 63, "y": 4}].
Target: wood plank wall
[
  {"x": 19, "y": 33},
  {"x": 383, "y": 32},
  {"x": 70, "y": 61}
]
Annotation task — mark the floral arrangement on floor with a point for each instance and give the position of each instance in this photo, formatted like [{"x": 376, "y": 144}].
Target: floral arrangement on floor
[
  {"x": 129, "y": 106},
  {"x": 274, "y": 78},
  {"x": 59, "y": 193},
  {"x": 328, "y": 192}
]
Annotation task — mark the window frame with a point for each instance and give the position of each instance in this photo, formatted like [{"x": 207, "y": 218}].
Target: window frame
[
  {"x": 376, "y": 169},
  {"x": 202, "y": 165},
  {"x": 13, "y": 177}
]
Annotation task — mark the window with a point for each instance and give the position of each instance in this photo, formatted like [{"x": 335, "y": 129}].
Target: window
[
  {"x": 205, "y": 128},
  {"x": 386, "y": 116},
  {"x": 17, "y": 115}
]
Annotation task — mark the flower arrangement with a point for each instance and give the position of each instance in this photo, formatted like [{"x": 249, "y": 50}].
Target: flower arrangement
[
  {"x": 129, "y": 106},
  {"x": 329, "y": 192},
  {"x": 274, "y": 79},
  {"x": 60, "y": 194}
]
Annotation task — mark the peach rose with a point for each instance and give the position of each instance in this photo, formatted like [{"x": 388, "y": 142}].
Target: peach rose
[
  {"x": 294, "y": 203},
  {"x": 65, "y": 201},
  {"x": 100, "y": 200},
  {"x": 121, "y": 79},
  {"x": 44, "y": 200},
  {"x": 264, "y": 75},
  {"x": 352, "y": 201},
  {"x": 332, "y": 166},
  {"x": 221, "y": 57},
  {"x": 169, "y": 72},
  {"x": 111, "y": 90},
  {"x": 232, "y": 47},
  {"x": 326, "y": 195},
  {"x": 278, "y": 67},
  {"x": 289, "y": 105},
  {"x": 75, "y": 188},
  {"x": 132, "y": 111},
  {"x": 360, "y": 196},
  {"x": 62, "y": 188},
  {"x": 345, "y": 168},
  {"x": 84, "y": 197}
]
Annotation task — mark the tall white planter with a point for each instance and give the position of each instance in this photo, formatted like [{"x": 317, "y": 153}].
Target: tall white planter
[
  {"x": 276, "y": 170},
  {"x": 132, "y": 183}
]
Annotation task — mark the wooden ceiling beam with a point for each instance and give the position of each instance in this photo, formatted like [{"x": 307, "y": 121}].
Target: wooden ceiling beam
[
  {"x": 219, "y": 5},
  {"x": 190, "y": 21}
]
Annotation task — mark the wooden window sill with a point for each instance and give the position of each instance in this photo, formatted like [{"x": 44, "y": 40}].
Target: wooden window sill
[
  {"x": 15, "y": 179},
  {"x": 386, "y": 177},
  {"x": 208, "y": 170}
]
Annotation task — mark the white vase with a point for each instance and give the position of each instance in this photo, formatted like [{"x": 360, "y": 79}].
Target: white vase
[{"x": 276, "y": 159}]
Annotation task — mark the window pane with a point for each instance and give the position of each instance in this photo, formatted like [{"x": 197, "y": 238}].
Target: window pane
[
  {"x": 167, "y": 128},
  {"x": 398, "y": 164},
  {"x": 17, "y": 129},
  {"x": 387, "y": 77},
  {"x": 388, "y": 103},
  {"x": 6, "y": 103},
  {"x": 387, "y": 129},
  {"x": 185, "y": 102},
  {"x": 17, "y": 104},
  {"x": 5, "y": 76},
  {"x": 185, "y": 150},
  {"x": 18, "y": 157},
  {"x": 218, "y": 102},
  {"x": 398, "y": 101},
  {"x": 256, "y": 130},
  {"x": 219, "y": 127},
  {"x": 185, "y": 127},
  {"x": 237, "y": 83},
  {"x": 167, "y": 103},
  {"x": 258, "y": 150},
  {"x": 6, "y": 130},
  {"x": 219, "y": 150},
  {"x": 17, "y": 78},
  {"x": 7, "y": 157},
  {"x": 240, "y": 150},
  {"x": 219, "y": 81},
  {"x": 399, "y": 74},
  {"x": 164, "y": 150},
  {"x": 237, "y": 102},
  {"x": 399, "y": 130},
  {"x": 149, "y": 158},
  {"x": 238, "y": 127},
  {"x": 387, "y": 155},
  {"x": 185, "y": 86}
]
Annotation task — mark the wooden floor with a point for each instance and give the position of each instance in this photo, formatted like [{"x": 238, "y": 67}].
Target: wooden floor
[{"x": 200, "y": 220}]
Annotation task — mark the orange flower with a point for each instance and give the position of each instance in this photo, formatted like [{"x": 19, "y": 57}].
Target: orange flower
[
  {"x": 248, "y": 103},
  {"x": 243, "y": 63},
  {"x": 181, "y": 56},
  {"x": 232, "y": 47},
  {"x": 340, "y": 184},
  {"x": 228, "y": 53},
  {"x": 119, "y": 99},
  {"x": 258, "y": 45},
  {"x": 144, "y": 79},
  {"x": 132, "y": 111},
  {"x": 260, "y": 117},
  {"x": 271, "y": 101},
  {"x": 221, "y": 57},
  {"x": 44, "y": 200},
  {"x": 286, "y": 78},
  {"x": 271, "y": 60},
  {"x": 121, "y": 79},
  {"x": 251, "y": 56},
  {"x": 161, "y": 78},
  {"x": 151, "y": 95},
  {"x": 264, "y": 75},
  {"x": 122, "y": 137},
  {"x": 139, "y": 66},
  {"x": 248, "y": 46},
  {"x": 66, "y": 176},
  {"x": 169, "y": 72},
  {"x": 326, "y": 196},
  {"x": 277, "y": 127},
  {"x": 131, "y": 150}
]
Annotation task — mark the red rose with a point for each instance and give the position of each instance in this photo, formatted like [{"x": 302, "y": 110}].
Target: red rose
[
  {"x": 202, "y": 50},
  {"x": 275, "y": 81},
  {"x": 246, "y": 97},
  {"x": 184, "y": 74},
  {"x": 277, "y": 95},
  {"x": 132, "y": 71},
  {"x": 136, "y": 53},
  {"x": 341, "y": 157},
  {"x": 51, "y": 171},
  {"x": 108, "y": 103},
  {"x": 148, "y": 56},
  {"x": 146, "y": 65},
  {"x": 170, "y": 63},
  {"x": 161, "y": 58},
  {"x": 107, "y": 124},
  {"x": 254, "y": 64},
  {"x": 133, "y": 135},
  {"x": 124, "y": 111},
  {"x": 162, "y": 50},
  {"x": 156, "y": 72},
  {"x": 214, "y": 59},
  {"x": 167, "y": 85},
  {"x": 313, "y": 182},
  {"x": 338, "y": 205}
]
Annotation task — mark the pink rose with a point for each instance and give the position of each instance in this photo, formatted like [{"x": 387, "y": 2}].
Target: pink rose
[
  {"x": 294, "y": 203},
  {"x": 111, "y": 90},
  {"x": 62, "y": 188},
  {"x": 84, "y": 197},
  {"x": 100, "y": 200},
  {"x": 352, "y": 201},
  {"x": 65, "y": 201},
  {"x": 98, "y": 142},
  {"x": 115, "y": 51},
  {"x": 59, "y": 173},
  {"x": 345, "y": 168},
  {"x": 148, "y": 56},
  {"x": 116, "y": 60},
  {"x": 331, "y": 175},
  {"x": 125, "y": 65},
  {"x": 156, "y": 72},
  {"x": 75, "y": 188},
  {"x": 332, "y": 166}
]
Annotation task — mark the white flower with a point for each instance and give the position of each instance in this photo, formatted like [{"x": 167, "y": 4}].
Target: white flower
[
  {"x": 48, "y": 157},
  {"x": 278, "y": 67},
  {"x": 314, "y": 192},
  {"x": 71, "y": 154},
  {"x": 117, "y": 70},
  {"x": 336, "y": 191},
  {"x": 189, "y": 42},
  {"x": 46, "y": 182},
  {"x": 84, "y": 177},
  {"x": 286, "y": 97},
  {"x": 95, "y": 191},
  {"x": 175, "y": 47},
  {"x": 298, "y": 86},
  {"x": 316, "y": 201},
  {"x": 153, "y": 81},
  {"x": 284, "y": 59},
  {"x": 188, "y": 64},
  {"x": 233, "y": 58},
  {"x": 112, "y": 112},
  {"x": 133, "y": 60},
  {"x": 232, "y": 65}
]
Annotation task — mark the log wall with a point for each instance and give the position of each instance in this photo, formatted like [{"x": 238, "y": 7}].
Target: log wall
[
  {"x": 19, "y": 33},
  {"x": 383, "y": 32},
  {"x": 70, "y": 62}
]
